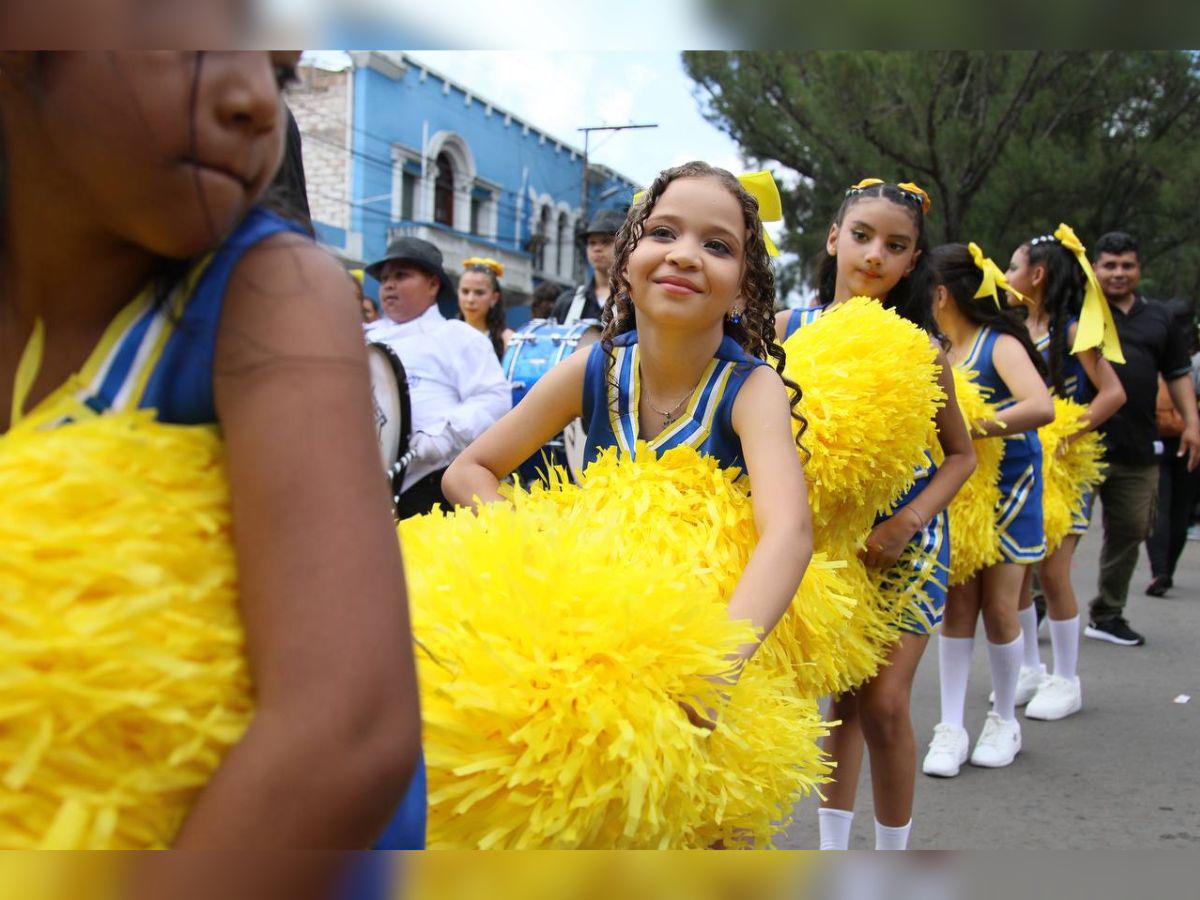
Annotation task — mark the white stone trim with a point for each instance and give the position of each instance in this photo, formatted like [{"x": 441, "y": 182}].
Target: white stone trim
[
  {"x": 389, "y": 63},
  {"x": 463, "y": 161}
]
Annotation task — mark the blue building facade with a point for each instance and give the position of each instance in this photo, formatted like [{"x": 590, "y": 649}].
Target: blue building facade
[{"x": 425, "y": 156}]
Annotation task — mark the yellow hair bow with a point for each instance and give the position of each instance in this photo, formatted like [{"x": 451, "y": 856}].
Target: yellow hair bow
[
  {"x": 762, "y": 187},
  {"x": 1096, "y": 325},
  {"x": 919, "y": 192},
  {"x": 357, "y": 275},
  {"x": 486, "y": 262},
  {"x": 993, "y": 279},
  {"x": 916, "y": 191}
]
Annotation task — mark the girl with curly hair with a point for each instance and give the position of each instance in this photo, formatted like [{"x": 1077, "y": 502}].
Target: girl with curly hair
[
  {"x": 688, "y": 357},
  {"x": 877, "y": 247}
]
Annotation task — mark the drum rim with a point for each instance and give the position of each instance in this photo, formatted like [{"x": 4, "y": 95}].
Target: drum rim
[{"x": 576, "y": 330}]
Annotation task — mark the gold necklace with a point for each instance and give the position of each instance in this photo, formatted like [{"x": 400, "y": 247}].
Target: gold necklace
[{"x": 669, "y": 415}]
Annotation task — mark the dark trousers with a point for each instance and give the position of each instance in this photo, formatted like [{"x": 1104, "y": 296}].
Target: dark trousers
[
  {"x": 423, "y": 496},
  {"x": 1176, "y": 497},
  {"x": 1128, "y": 498}
]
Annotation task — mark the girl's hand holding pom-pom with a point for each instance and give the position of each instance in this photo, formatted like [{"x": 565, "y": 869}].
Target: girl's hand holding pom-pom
[{"x": 888, "y": 539}]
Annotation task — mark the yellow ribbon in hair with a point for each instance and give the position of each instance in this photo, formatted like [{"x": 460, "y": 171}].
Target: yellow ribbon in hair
[
  {"x": 926, "y": 203},
  {"x": 762, "y": 187},
  {"x": 357, "y": 275},
  {"x": 993, "y": 279},
  {"x": 907, "y": 186},
  {"x": 1096, "y": 325},
  {"x": 487, "y": 262}
]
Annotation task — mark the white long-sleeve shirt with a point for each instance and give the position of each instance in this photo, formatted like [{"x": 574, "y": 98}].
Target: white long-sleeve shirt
[{"x": 456, "y": 386}]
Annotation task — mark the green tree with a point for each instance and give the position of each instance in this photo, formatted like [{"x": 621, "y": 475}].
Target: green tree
[{"x": 1008, "y": 144}]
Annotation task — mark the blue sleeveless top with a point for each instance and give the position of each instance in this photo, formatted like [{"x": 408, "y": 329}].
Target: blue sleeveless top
[
  {"x": 180, "y": 387},
  {"x": 610, "y": 405},
  {"x": 160, "y": 357},
  {"x": 158, "y": 351},
  {"x": 1019, "y": 516},
  {"x": 1075, "y": 381},
  {"x": 800, "y": 317}
]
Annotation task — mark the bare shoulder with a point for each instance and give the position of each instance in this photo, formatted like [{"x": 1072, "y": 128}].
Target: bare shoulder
[
  {"x": 762, "y": 390},
  {"x": 1007, "y": 346},
  {"x": 288, "y": 296}
]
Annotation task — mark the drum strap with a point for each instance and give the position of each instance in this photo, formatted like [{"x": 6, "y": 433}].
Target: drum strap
[{"x": 575, "y": 313}]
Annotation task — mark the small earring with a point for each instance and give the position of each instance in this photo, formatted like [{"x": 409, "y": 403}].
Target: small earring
[{"x": 735, "y": 318}]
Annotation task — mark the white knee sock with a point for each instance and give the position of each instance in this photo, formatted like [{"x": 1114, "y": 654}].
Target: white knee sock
[
  {"x": 1005, "y": 661},
  {"x": 1028, "y": 618},
  {"x": 954, "y": 667},
  {"x": 1064, "y": 639},
  {"x": 834, "y": 825},
  {"x": 889, "y": 838}
]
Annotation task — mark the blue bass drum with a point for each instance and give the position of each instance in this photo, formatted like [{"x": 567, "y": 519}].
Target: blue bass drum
[{"x": 532, "y": 352}]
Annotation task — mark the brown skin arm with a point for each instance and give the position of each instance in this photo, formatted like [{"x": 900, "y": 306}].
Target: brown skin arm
[
  {"x": 888, "y": 539},
  {"x": 1110, "y": 396},
  {"x": 550, "y": 405},
  {"x": 762, "y": 420},
  {"x": 336, "y": 734},
  {"x": 1034, "y": 406}
]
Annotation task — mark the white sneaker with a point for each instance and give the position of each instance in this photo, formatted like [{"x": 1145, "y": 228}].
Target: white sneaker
[
  {"x": 998, "y": 744},
  {"x": 1057, "y": 698},
  {"x": 947, "y": 751},
  {"x": 1028, "y": 683}
]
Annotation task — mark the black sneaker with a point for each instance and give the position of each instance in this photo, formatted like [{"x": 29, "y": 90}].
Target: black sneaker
[
  {"x": 1159, "y": 586},
  {"x": 1116, "y": 631}
]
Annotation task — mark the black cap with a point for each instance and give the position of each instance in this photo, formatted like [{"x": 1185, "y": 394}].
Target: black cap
[
  {"x": 606, "y": 221},
  {"x": 419, "y": 253}
]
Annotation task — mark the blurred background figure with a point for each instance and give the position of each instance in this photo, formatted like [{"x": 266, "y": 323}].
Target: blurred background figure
[
  {"x": 1177, "y": 487},
  {"x": 541, "y": 305},
  {"x": 456, "y": 386},
  {"x": 481, "y": 302},
  {"x": 587, "y": 300},
  {"x": 370, "y": 313}
]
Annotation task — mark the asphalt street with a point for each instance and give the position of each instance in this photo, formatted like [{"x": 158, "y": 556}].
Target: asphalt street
[{"x": 1122, "y": 773}]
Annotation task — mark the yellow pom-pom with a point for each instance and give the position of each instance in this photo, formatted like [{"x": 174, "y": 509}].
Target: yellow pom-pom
[
  {"x": 558, "y": 636},
  {"x": 1069, "y": 470},
  {"x": 974, "y": 539},
  {"x": 124, "y": 679},
  {"x": 840, "y": 626},
  {"x": 870, "y": 394}
]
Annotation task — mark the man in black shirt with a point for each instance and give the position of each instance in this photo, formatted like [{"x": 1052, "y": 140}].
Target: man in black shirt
[
  {"x": 587, "y": 300},
  {"x": 1152, "y": 345}
]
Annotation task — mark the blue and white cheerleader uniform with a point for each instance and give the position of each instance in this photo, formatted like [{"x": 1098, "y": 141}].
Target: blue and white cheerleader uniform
[
  {"x": 800, "y": 317},
  {"x": 924, "y": 612},
  {"x": 1019, "y": 516},
  {"x": 610, "y": 405},
  {"x": 1077, "y": 387}
]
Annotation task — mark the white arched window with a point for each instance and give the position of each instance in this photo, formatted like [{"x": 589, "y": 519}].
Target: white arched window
[{"x": 449, "y": 181}]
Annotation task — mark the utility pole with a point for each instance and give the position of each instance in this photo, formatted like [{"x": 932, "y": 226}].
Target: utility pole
[{"x": 587, "y": 133}]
